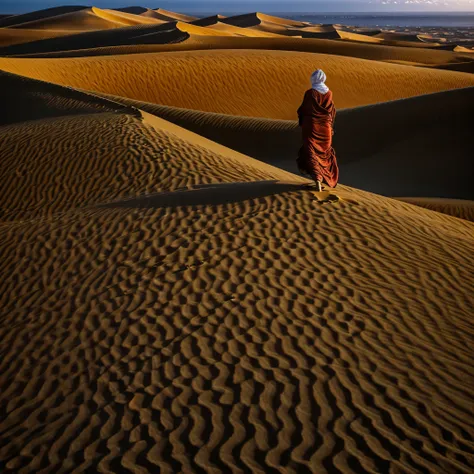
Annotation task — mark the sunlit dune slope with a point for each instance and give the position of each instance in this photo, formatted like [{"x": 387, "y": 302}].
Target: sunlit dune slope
[
  {"x": 50, "y": 179},
  {"x": 419, "y": 146},
  {"x": 238, "y": 82},
  {"x": 265, "y": 23},
  {"x": 203, "y": 31},
  {"x": 166, "y": 14},
  {"x": 255, "y": 19},
  {"x": 462, "y": 208},
  {"x": 123, "y": 18},
  {"x": 215, "y": 23},
  {"x": 240, "y": 324}
]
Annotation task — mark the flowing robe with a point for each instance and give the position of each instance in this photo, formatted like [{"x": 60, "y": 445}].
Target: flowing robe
[{"x": 316, "y": 118}]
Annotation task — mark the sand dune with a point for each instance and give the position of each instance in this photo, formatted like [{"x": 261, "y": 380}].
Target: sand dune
[
  {"x": 463, "y": 49},
  {"x": 203, "y": 31},
  {"x": 255, "y": 19},
  {"x": 411, "y": 56},
  {"x": 331, "y": 35},
  {"x": 462, "y": 208},
  {"x": 215, "y": 23},
  {"x": 426, "y": 149},
  {"x": 125, "y": 19},
  {"x": 467, "y": 66},
  {"x": 239, "y": 324},
  {"x": 166, "y": 14},
  {"x": 395, "y": 40},
  {"x": 83, "y": 20},
  {"x": 95, "y": 40},
  {"x": 173, "y": 78},
  {"x": 11, "y": 36},
  {"x": 209, "y": 20},
  {"x": 349, "y": 35},
  {"x": 400, "y": 37},
  {"x": 51, "y": 179},
  {"x": 12, "y": 20},
  {"x": 266, "y": 23}
]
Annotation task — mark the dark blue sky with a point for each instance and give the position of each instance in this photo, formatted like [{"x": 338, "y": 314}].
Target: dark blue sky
[{"x": 381, "y": 6}]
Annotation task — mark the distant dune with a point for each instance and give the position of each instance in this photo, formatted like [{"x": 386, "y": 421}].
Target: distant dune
[
  {"x": 83, "y": 20},
  {"x": 11, "y": 36},
  {"x": 14, "y": 20}
]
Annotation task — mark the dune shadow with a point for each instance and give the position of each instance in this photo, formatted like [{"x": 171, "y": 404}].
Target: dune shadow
[{"x": 210, "y": 194}]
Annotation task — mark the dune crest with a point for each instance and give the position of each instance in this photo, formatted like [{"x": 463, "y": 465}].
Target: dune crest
[{"x": 124, "y": 19}]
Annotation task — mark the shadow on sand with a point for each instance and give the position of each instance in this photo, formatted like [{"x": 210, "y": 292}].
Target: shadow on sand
[{"x": 210, "y": 194}]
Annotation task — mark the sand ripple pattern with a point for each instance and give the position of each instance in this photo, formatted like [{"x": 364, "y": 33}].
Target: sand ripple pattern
[
  {"x": 48, "y": 178},
  {"x": 271, "y": 335},
  {"x": 263, "y": 333}
]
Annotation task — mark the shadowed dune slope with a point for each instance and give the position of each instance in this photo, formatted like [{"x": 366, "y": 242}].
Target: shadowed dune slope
[
  {"x": 203, "y": 31},
  {"x": 174, "y": 78},
  {"x": 254, "y": 19},
  {"x": 138, "y": 34},
  {"x": 234, "y": 326},
  {"x": 11, "y": 36},
  {"x": 467, "y": 66},
  {"x": 12, "y": 20},
  {"x": 464, "y": 209},
  {"x": 83, "y": 20},
  {"x": 426, "y": 150}
]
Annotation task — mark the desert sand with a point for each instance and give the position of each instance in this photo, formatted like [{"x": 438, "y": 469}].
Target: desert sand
[{"x": 175, "y": 298}]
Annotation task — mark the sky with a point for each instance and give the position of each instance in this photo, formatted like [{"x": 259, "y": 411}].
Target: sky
[{"x": 197, "y": 6}]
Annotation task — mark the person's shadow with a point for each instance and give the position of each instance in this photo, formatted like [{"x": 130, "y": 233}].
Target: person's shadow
[{"x": 210, "y": 194}]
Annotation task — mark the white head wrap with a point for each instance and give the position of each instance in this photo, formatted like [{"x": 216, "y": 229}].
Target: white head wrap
[{"x": 318, "y": 78}]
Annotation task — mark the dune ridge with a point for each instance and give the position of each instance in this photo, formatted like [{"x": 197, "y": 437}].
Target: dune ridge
[
  {"x": 10, "y": 36},
  {"x": 12, "y": 20},
  {"x": 168, "y": 316},
  {"x": 438, "y": 126},
  {"x": 83, "y": 20},
  {"x": 85, "y": 42}
]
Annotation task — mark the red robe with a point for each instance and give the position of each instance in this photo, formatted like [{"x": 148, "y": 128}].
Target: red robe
[{"x": 317, "y": 157}]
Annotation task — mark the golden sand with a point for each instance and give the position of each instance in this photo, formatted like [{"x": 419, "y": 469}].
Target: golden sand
[
  {"x": 173, "y": 78},
  {"x": 171, "y": 304}
]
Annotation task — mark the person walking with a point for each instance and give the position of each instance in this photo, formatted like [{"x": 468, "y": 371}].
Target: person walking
[{"x": 316, "y": 116}]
